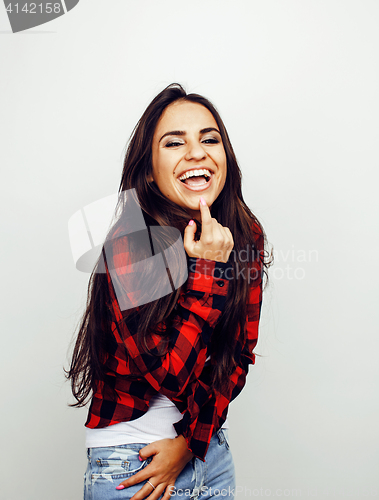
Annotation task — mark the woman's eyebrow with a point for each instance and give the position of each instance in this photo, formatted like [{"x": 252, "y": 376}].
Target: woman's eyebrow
[
  {"x": 209, "y": 129},
  {"x": 182, "y": 132},
  {"x": 173, "y": 132}
]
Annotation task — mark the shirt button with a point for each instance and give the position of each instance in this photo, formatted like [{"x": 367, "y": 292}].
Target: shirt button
[{"x": 220, "y": 283}]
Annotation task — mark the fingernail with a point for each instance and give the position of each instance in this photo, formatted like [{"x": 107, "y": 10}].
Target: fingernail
[
  {"x": 191, "y": 222},
  {"x": 120, "y": 487},
  {"x": 202, "y": 201}
]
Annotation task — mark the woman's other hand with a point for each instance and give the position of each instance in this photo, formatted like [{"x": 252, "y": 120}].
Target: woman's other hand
[
  {"x": 170, "y": 456},
  {"x": 215, "y": 243}
]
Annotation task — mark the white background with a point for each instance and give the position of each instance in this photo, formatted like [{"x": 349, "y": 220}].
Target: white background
[{"x": 296, "y": 82}]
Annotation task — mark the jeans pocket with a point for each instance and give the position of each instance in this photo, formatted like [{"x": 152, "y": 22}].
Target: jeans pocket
[
  {"x": 118, "y": 464},
  {"x": 112, "y": 466}
]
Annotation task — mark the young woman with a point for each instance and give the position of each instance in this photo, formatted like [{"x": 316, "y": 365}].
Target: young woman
[{"x": 161, "y": 373}]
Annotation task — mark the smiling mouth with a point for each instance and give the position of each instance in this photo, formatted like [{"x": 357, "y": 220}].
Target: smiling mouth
[
  {"x": 196, "y": 178},
  {"x": 197, "y": 183}
]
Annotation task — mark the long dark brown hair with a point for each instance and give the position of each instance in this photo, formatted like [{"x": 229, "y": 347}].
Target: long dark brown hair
[{"x": 230, "y": 210}]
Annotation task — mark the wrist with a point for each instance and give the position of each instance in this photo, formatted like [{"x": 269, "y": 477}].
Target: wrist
[{"x": 183, "y": 445}]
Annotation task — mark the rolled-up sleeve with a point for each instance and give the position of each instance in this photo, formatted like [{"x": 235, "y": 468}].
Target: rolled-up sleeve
[{"x": 206, "y": 408}]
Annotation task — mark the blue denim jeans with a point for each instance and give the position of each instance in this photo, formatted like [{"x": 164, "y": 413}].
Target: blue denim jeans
[{"x": 108, "y": 466}]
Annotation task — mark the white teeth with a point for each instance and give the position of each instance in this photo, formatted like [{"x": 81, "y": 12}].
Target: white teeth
[{"x": 193, "y": 173}]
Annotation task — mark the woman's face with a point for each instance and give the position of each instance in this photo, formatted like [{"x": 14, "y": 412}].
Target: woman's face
[{"x": 189, "y": 159}]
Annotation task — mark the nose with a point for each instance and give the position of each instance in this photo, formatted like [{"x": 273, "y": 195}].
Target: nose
[{"x": 195, "y": 151}]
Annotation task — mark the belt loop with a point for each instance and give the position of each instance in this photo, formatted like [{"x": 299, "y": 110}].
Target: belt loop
[{"x": 220, "y": 436}]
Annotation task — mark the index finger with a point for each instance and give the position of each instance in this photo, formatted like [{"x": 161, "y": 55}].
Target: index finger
[
  {"x": 140, "y": 476},
  {"x": 206, "y": 217}
]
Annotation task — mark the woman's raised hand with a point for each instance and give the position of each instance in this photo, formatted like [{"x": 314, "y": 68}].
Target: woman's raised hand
[{"x": 216, "y": 241}]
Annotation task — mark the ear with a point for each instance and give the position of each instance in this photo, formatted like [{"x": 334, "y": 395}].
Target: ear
[{"x": 150, "y": 178}]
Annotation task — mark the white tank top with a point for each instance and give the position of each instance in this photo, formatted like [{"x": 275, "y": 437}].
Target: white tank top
[{"x": 156, "y": 423}]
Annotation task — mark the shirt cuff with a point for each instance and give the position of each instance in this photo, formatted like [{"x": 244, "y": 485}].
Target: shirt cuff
[
  {"x": 209, "y": 276},
  {"x": 197, "y": 436}
]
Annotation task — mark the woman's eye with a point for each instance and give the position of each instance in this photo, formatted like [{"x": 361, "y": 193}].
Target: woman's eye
[
  {"x": 173, "y": 144},
  {"x": 211, "y": 140}
]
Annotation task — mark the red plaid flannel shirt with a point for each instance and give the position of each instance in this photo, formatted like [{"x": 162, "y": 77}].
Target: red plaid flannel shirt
[{"x": 181, "y": 374}]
